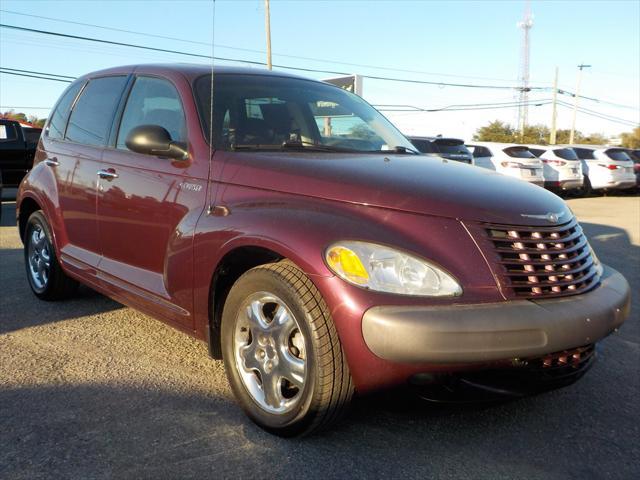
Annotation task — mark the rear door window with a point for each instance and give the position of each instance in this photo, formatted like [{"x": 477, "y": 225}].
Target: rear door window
[
  {"x": 92, "y": 115},
  {"x": 519, "y": 152},
  {"x": 153, "y": 101},
  {"x": 566, "y": 153},
  {"x": 58, "y": 122}
]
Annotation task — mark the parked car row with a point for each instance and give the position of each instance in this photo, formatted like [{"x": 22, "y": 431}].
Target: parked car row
[{"x": 559, "y": 168}]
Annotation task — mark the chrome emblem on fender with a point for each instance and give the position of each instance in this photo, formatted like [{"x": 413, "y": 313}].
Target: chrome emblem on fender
[{"x": 550, "y": 217}]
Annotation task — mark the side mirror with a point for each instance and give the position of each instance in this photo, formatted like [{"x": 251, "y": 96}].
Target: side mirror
[{"x": 155, "y": 140}]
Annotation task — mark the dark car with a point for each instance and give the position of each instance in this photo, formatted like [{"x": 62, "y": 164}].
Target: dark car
[
  {"x": 449, "y": 148},
  {"x": 291, "y": 227},
  {"x": 634, "y": 154},
  {"x": 17, "y": 148}
]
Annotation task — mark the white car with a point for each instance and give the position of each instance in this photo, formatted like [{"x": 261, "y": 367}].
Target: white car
[
  {"x": 509, "y": 159},
  {"x": 605, "y": 168},
  {"x": 562, "y": 168}
]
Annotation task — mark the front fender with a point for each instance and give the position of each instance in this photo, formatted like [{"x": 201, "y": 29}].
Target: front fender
[{"x": 301, "y": 228}]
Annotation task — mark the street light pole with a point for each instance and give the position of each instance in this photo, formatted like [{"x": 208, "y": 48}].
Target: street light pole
[
  {"x": 267, "y": 21},
  {"x": 575, "y": 102}
]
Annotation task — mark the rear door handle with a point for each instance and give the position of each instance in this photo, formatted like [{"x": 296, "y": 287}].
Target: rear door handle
[
  {"x": 108, "y": 174},
  {"x": 52, "y": 162}
]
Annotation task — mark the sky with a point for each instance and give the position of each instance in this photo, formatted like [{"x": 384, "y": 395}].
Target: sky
[{"x": 467, "y": 42}]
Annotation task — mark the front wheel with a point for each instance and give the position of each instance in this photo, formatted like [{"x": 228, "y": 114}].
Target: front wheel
[{"x": 282, "y": 353}]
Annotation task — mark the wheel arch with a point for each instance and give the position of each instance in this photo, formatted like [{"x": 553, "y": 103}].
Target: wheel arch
[
  {"x": 28, "y": 205},
  {"x": 231, "y": 266}
]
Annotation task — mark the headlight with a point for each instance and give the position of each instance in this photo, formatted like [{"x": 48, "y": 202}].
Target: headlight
[{"x": 384, "y": 269}]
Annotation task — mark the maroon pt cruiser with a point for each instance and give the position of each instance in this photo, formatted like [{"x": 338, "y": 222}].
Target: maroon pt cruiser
[{"x": 291, "y": 227}]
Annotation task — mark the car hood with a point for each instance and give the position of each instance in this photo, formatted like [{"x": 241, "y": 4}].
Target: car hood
[{"x": 411, "y": 183}]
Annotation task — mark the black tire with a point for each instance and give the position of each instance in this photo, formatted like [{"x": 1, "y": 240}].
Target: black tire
[
  {"x": 57, "y": 286},
  {"x": 327, "y": 386}
]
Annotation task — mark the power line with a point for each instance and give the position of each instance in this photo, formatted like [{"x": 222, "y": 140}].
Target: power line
[
  {"x": 13, "y": 107},
  {"x": 381, "y": 107},
  {"x": 38, "y": 73},
  {"x": 2, "y": 71},
  {"x": 253, "y": 62},
  {"x": 251, "y": 50}
]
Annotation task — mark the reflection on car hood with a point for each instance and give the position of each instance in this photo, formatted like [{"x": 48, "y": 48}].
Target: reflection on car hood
[{"x": 410, "y": 183}]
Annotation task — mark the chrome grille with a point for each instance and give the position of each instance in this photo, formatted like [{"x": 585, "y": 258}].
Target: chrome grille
[{"x": 542, "y": 262}]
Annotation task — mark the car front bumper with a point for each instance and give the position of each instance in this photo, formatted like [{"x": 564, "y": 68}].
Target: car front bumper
[{"x": 497, "y": 331}]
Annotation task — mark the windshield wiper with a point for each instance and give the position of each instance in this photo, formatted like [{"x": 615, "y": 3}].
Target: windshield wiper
[
  {"x": 401, "y": 149},
  {"x": 315, "y": 147},
  {"x": 294, "y": 145}
]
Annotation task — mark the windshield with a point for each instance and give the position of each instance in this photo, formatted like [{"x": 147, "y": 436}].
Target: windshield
[
  {"x": 260, "y": 111},
  {"x": 566, "y": 153}
]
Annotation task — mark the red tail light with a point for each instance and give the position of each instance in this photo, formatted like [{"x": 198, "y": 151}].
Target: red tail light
[
  {"x": 557, "y": 163},
  {"x": 610, "y": 167}
]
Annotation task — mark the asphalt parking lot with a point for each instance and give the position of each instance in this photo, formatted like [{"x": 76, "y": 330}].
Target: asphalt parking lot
[{"x": 92, "y": 389}]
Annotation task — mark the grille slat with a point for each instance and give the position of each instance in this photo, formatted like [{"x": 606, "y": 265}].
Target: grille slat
[
  {"x": 544, "y": 262},
  {"x": 537, "y": 251},
  {"x": 568, "y": 238},
  {"x": 577, "y": 258}
]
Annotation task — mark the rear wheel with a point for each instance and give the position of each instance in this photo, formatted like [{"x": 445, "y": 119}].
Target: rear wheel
[
  {"x": 46, "y": 278},
  {"x": 282, "y": 353}
]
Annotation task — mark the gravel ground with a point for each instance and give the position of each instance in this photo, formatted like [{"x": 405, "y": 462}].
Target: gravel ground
[{"x": 92, "y": 389}]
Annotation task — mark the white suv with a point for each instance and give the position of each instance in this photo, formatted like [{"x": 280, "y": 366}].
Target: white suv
[
  {"x": 605, "y": 168},
  {"x": 562, "y": 168},
  {"x": 509, "y": 159}
]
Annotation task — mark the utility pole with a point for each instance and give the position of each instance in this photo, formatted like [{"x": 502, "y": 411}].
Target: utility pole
[
  {"x": 267, "y": 21},
  {"x": 523, "y": 109},
  {"x": 554, "y": 115},
  {"x": 575, "y": 102}
]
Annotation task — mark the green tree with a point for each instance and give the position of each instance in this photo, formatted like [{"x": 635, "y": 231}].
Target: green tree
[
  {"x": 535, "y": 134},
  {"x": 496, "y": 131},
  {"x": 631, "y": 139}
]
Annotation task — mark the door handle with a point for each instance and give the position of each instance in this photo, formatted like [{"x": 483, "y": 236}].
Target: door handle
[
  {"x": 108, "y": 174},
  {"x": 52, "y": 162}
]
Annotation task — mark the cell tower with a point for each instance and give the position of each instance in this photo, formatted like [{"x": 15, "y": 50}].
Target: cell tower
[{"x": 523, "y": 109}]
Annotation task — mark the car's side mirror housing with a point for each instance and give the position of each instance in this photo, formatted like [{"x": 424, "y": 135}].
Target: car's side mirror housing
[{"x": 155, "y": 140}]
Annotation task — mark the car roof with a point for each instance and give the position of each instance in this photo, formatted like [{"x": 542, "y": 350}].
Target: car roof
[
  {"x": 192, "y": 70},
  {"x": 431, "y": 139},
  {"x": 496, "y": 144}
]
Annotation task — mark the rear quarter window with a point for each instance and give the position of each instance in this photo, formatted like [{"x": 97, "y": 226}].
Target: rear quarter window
[
  {"x": 58, "y": 122},
  {"x": 92, "y": 115}
]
